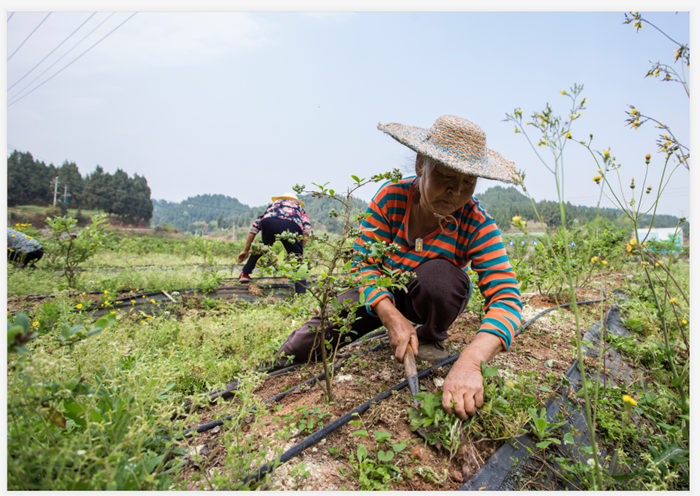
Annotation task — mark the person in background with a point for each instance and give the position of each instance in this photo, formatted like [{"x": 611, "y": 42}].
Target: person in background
[
  {"x": 286, "y": 213},
  {"x": 23, "y": 249},
  {"x": 442, "y": 232}
]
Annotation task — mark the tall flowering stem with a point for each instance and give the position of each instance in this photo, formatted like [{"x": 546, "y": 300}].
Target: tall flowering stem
[{"x": 554, "y": 133}]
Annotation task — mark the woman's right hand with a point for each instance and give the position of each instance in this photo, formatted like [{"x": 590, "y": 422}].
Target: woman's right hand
[
  {"x": 401, "y": 331},
  {"x": 242, "y": 256}
]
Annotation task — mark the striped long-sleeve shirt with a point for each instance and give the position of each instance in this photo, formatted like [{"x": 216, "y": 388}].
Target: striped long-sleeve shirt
[{"x": 475, "y": 240}]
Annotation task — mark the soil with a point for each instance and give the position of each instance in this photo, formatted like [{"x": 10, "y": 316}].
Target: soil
[{"x": 545, "y": 348}]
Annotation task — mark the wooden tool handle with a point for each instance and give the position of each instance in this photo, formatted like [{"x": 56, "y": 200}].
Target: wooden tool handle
[{"x": 409, "y": 362}]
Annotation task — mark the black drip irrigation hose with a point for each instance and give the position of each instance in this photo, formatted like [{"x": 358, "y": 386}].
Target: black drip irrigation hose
[
  {"x": 205, "y": 427},
  {"x": 325, "y": 431},
  {"x": 332, "y": 427}
]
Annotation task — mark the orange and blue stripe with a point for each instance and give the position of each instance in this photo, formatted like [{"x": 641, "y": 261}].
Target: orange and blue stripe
[{"x": 475, "y": 240}]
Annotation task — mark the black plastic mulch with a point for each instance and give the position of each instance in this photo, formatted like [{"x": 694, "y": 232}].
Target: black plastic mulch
[{"x": 514, "y": 463}]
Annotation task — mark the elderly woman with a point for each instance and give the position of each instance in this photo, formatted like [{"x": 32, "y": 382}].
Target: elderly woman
[
  {"x": 441, "y": 230},
  {"x": 286, "y": 213}
]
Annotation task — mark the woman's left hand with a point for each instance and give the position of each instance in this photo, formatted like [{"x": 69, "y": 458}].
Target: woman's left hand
[
  {"x": 242, "y": 256},
  {"x": 463, "y": 391}
]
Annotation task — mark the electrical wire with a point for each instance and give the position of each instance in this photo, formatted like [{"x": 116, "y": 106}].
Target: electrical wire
[
  {"x": 11, "y": 14},
  {"x": 30, "y": 35},
  {"x": 59, "y": 45},
  {"x": 86, "y": 51},
  {"x": 59, "y": 59}
]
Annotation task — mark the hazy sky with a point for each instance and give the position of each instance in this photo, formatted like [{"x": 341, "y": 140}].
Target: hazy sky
[{"x": 248, "y": 104}]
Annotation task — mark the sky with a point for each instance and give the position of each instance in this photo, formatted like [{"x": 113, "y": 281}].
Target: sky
[{"x": 248, "y": 104}]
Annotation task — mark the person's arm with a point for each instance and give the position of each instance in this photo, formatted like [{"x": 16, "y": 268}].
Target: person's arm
[
  {"x": 246, "y": 251},
  {"x": 401, "y": 331},
  {"x": 305, "y": 224},
  {"x": 365, "y": 267},
  {"x": 502, "y": 315}
]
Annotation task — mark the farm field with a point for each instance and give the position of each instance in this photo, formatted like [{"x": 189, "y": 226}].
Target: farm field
[{"x": 108, "y": 411}]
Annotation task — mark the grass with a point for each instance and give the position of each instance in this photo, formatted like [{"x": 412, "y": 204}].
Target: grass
[
  {"x": 35, "y": 209},
  {"x": 150, "y": 365}
]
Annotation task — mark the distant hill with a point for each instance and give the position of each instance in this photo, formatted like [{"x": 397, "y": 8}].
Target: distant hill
[
  {"x": 503, "y": 203},
  {"x": 209, "y": 212}
]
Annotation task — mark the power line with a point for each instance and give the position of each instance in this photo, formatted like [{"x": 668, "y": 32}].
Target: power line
[
  {"x": 11, "y": 14},
  {"x": 30, "y": 35},
  {"x": 86, "y": 51},
  {"x": 59, "y": 45},
  {"x": 59, "y": 59}
]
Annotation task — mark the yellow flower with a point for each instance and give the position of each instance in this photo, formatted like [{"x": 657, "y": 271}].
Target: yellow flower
[
  {"x": 79, "y": 306},
  {"x": 672, "y": 300},
  {"x": 113, "y": 312},
  {"x": 597, "y": 179},
  {"x": 633, "y": 241},
  {"x": 594, "y": 259},
  {"x": 516, "y": 219},
  {"x": 143, "y": 296},
  {"x": 562, "y": 92},
  {"x": 133, "y": 302},
  {"x": 106, "y": 291},
  {"x": 152, "y": 300},
  {"x": 685, "y": 321},
  {"x": 13, "y": 235},
  {"x": 604, "y": 262},
  {"x": 36, "y": 324},
  {"x": 628, "y": 399},
  {"x": 633, "y": 111},
  {"x": 599, "y": 171},
  {"x": 16, "y": 225},
  {"x": 568, "y": 135}
]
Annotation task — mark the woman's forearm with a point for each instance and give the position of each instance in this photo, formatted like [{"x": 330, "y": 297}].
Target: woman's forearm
[{"x": 249, "y": 241}]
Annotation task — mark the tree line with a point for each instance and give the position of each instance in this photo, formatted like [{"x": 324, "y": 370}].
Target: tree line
[
  {"x": 31, "y": 182},
  {"x": 504, "y": 203},
  {"x": 209, "y": 212}
]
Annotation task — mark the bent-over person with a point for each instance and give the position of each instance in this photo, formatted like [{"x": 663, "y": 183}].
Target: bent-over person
[
  {"x": 285, "y": 214},
  {"x": 441, "y": 231}
]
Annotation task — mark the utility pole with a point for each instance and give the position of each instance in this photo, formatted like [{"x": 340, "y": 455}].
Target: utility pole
[{"x": 55, "y": 190}]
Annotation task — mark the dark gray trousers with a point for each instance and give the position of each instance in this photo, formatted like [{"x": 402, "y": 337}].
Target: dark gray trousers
[{"x": 434, "y": 299}]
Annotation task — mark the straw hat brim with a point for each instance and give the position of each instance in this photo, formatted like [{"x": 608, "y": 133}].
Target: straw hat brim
[
  {"x": 416, "y": 139},
  {"x": 275, "y": 198}
]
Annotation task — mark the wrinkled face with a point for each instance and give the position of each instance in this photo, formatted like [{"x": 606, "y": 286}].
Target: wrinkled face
[{"x": 444, "y": 190}]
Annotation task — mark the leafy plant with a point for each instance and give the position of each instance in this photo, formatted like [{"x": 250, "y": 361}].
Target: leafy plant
[
  {"x": 542, "y": 428},
  {"x": 332, "y": 268},
  {"x": 373, "y": 474},
  {"x": 74, "y": 249}
]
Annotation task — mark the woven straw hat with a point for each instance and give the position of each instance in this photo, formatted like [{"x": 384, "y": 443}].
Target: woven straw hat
[
  {"x": 289, "y": 196},
  {"x": 456, "y": 143}
]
